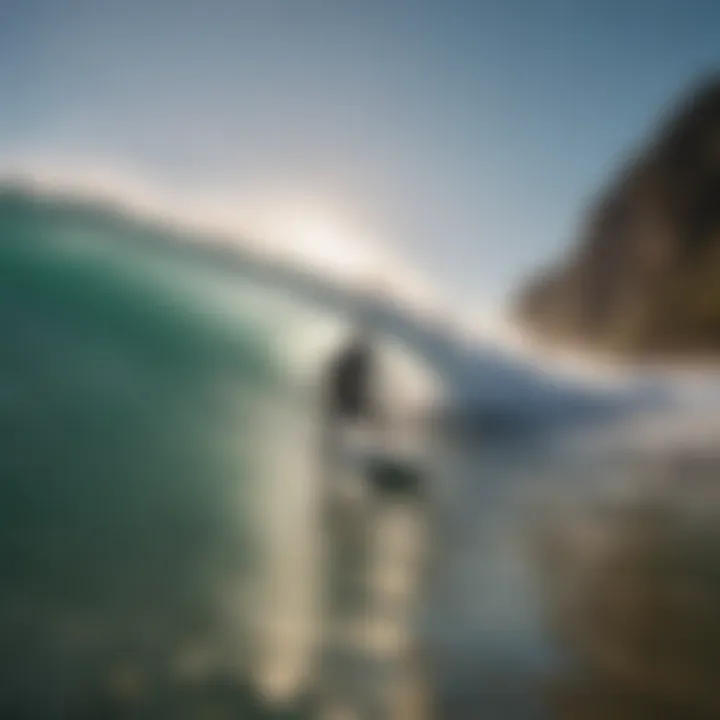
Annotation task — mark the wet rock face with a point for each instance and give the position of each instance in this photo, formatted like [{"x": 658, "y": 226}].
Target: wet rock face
[{"x": 644, "y": 275}]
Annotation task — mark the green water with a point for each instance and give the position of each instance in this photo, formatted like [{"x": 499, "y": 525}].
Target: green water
[{"x": 132, "y": 388}]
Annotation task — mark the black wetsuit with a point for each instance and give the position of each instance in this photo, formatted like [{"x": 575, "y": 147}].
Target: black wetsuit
[{"x": 349, "y": 387}]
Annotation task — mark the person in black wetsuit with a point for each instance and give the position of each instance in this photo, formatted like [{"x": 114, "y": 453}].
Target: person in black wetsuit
[{"x": 350, "y": 390}]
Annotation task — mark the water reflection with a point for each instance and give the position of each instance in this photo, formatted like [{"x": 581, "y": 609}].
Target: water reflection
[
  {"x": 632, "y": 585},
  {"x": 375, "y": 558}
]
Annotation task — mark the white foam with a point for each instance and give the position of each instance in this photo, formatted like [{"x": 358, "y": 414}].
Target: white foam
[{"x": 282, "y": 227}]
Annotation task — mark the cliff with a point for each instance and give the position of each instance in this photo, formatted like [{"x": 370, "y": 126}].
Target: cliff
[{"x": 645, "y": 275}]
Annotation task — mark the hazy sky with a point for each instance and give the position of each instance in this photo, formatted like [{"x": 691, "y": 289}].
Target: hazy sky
[{"x": 468, "y": 133}]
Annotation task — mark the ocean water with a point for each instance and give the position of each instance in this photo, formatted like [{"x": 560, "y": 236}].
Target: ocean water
[{"x": 175, "y": 542}]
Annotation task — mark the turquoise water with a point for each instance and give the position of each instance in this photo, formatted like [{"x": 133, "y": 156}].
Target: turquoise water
[{"x": 137, "y": 392}]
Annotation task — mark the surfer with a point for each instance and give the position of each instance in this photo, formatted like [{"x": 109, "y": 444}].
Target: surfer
[
  {"x": 350, "y": 387},
  {"x": 372, "y": 528},
  {"x": 352, "y": 423}
]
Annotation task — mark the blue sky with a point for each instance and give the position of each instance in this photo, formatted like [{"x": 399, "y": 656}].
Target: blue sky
[{"x": 468, "y": 133}]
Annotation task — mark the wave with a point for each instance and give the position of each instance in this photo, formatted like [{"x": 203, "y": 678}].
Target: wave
[{"x": 473, "y": 375}]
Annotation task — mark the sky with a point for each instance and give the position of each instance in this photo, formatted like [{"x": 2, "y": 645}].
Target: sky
[{"x": 466, "y": 135}]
